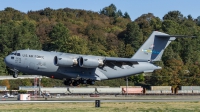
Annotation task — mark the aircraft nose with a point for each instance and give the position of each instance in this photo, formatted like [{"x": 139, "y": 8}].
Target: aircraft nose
[{"x": 6, "y": 60}]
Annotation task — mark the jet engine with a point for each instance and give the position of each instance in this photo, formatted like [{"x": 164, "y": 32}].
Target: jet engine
[
  {"x": 90, "y": 62},
  {"x": 65, "y": 61}
]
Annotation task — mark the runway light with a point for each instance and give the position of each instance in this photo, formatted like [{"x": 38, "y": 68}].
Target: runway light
[{"x": 52, "y": 76}]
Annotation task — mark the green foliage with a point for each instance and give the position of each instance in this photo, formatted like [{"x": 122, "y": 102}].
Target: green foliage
[
  {"x": 49, "y": 82},
  {"x": 175, "y": 16},
  {"x": 133, "y": 36},
  {"x": 59, "y": 36},
  {"x": 170, "y": 27},
  {"x": 22, "y": 91},
  {"x": 16, "y": 35},
  {"x": 136, "y": 79},
  {"x": 129, "y": 51},
  {"x": 6, "y": 83},
  {"x": 148, "y": 23},
  {"x": 111, "y": 11},
  {"x": 76, "y": 45},
  {"x": 198, "y": 20},
  {"x": 126, "y": 15}
]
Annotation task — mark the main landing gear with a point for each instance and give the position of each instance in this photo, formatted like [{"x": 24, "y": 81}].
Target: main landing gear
[{"x": 70, "y": 82}]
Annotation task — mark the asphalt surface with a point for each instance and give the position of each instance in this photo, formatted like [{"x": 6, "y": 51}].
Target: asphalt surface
[
  {"x": 72, "y": 99},
  {"x": 89, "y": 101}
]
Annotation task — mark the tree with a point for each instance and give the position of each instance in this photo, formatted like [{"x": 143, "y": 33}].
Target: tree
[
  {"x": 126, "y": 15},
  {"x": 190, "y": 17},
  {"x": 25, "y": 37},
  {"x": 10, "y": 14},
  {"x": 47, "y": 12},
  {"x": 109, "y": 11},
  {"x": 119, "y": 13},
  {"x": 6, "y": 83},
  {"x": 194, "y": 75},
  {"x": 136, "y": 78},
  {"x": 26, "y": 82},
  {"x": 129, "y": 51},
  {"x": 59, "y": 36},
  {"x": 147, "y": 23},
  {"x": 170, "y": 75},
  {"x": 76, "y": 45},
  {"x": 17, "y": 35},
  {"x": 133, "y": 36},
  {"x": 198, "y": 20},
  {"x": 170, "y": 27},
  {"x": 174, "y": 16}
]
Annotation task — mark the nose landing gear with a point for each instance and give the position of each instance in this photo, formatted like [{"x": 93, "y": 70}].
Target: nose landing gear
[{"x": 15, "y": 74}]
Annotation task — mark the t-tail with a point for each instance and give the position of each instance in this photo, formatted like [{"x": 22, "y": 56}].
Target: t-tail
[{"x": 153, "y": 48}]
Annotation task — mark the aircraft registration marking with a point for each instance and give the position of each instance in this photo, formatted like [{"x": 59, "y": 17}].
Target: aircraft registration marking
[{"x": 33, "y": 56}]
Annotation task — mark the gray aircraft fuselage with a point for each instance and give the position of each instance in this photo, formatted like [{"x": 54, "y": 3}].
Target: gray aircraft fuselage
[{"x": 42, "y": 63}]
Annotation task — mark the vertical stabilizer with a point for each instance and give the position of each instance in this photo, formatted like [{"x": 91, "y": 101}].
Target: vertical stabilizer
[{"x": 153, "y": 48}]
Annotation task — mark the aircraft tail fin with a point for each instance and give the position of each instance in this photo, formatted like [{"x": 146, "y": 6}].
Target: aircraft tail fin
[{"x": 153, "y": 48}]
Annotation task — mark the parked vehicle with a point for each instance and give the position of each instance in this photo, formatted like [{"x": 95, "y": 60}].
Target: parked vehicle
[{"x": 8, "y": 96}]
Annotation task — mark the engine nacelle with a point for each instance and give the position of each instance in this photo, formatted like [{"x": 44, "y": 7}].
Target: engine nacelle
[
  {"x": 90, "y": 62},
  {"x": 65, "y": 61}
]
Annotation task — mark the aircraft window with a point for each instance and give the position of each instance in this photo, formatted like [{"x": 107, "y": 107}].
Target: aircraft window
[
  {"x": 15, "y": 53},
  {"x": 12, "y": 53},
  {"x": 18, "y": 54},
  {"x": 12, "y": 57}
]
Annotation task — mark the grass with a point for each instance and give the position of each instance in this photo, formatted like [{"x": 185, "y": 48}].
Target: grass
[{"x": 105, "y": 107}]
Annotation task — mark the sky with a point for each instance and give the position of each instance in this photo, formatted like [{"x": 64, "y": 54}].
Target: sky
[{"x": 135, "y": 8}]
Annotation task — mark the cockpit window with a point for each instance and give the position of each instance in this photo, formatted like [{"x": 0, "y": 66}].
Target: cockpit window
[
  {"x": 12, "y": 53},
  {"x": 12, "y": 57},
  {"x": 18, "y": 54}
]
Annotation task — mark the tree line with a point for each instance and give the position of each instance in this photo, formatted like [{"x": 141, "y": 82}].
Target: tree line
[{"x": 108, "y": 32}]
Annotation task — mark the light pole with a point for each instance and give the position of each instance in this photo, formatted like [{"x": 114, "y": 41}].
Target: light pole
[
  {"x": 39, "y": 86},
  {"x": 127, "y": 86}
]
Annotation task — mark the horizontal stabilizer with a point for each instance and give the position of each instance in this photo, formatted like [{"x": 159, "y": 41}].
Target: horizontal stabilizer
[{"x": 177, "y": 36}]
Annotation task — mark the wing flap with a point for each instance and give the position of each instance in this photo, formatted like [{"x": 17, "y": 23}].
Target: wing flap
[
  {"x": 112, "y": 61},
  {"x": 125, "y": 60}
]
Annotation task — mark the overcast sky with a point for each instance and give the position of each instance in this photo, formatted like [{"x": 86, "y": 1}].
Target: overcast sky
[{"x": 135, "y": 8}]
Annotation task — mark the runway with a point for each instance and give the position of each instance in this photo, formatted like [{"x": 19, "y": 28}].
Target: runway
[{"x": 93, "y": 101}]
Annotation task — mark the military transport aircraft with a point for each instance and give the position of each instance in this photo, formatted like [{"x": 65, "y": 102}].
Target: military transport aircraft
[{"x": 78, "y": 69}]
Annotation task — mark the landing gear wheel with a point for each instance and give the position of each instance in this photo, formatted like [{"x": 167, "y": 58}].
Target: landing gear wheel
[
  {"x": 67, "y": 82},
  {"x": 75, "y": 83},
  {"x": 91, "y": 82},
  {"x": 15, "y": 74},
  {"x": 84, "y": 81}
]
